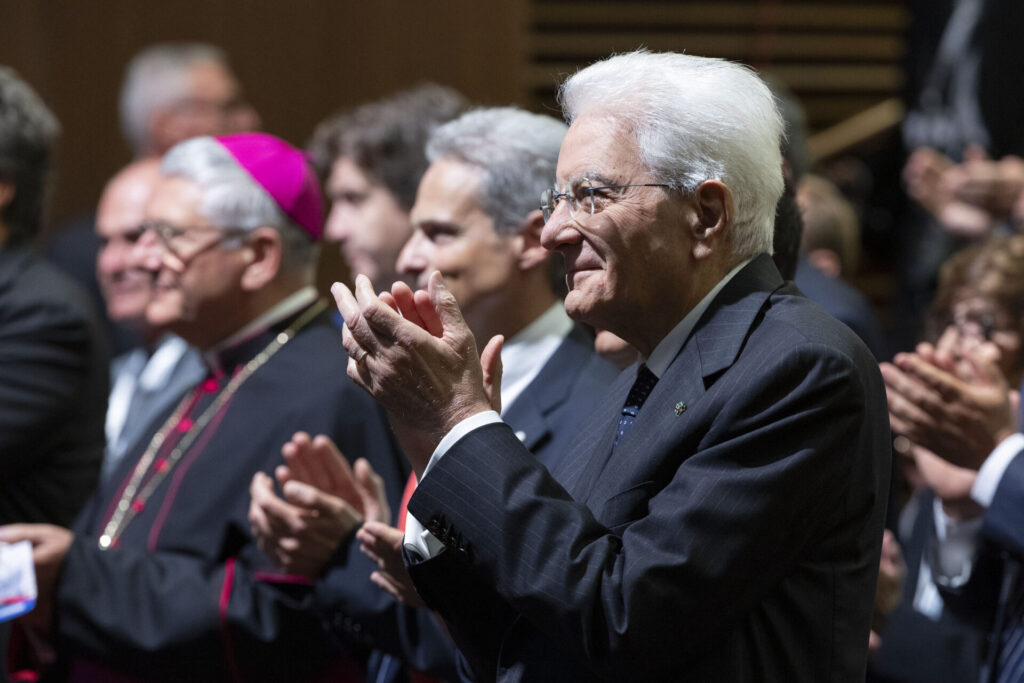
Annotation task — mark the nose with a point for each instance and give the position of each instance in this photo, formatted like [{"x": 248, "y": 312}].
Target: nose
[
  {"x": 560, "y": 230},
  {"x": 412, "y": 260},
  {"x": 151, "y": 255},
  {"x": 336, "y": 228}
]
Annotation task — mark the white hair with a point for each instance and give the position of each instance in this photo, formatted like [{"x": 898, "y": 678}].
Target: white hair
[
  {"x": 693, "y": 119},
  {"x": 231, "y": 198},
  {"x": 516, "y": 152},
  {"x": 158, "y": 78}
]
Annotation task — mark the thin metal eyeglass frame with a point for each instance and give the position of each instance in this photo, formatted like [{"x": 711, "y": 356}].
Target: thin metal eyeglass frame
[{"x": 550, "y": 198}]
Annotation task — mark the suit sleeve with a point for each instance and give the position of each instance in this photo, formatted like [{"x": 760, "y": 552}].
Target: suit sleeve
[
  {"x": 767, "y": 478},
  {"x": 1004, "y": 519},
  {"x": 360, "y": 613},
  {"x": 157, "y": 614},
  {"x": 44, "y": 367}
]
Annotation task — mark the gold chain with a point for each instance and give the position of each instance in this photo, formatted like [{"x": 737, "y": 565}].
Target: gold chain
[{"x": 130, "y": 505}]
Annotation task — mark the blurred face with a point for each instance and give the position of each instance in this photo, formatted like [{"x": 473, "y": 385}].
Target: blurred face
[
  {"x": 126, "y": 287},
  {"x": 634, "y": 249},
  {"x": 214, "y": 106},
  {"x": 367, "y": 222},
  {"x": 197, "y": 268},
  {"x": 453, "y": 234},
  {"x": 982, "y": 328}
]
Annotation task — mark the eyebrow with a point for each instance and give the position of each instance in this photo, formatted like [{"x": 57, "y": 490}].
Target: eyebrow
[{"x": 593, "y": 176}]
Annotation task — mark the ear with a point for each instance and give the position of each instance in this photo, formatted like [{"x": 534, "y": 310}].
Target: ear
[
  {"x": 713, "y": 222},
  {"x": 529, "y": 251},
  {"x": 262, "y": 253},
  {"x": 6, "y": 194}
]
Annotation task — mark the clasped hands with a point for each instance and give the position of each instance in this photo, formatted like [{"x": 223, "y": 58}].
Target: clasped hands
[
  {"x": 951, "y": 413},
  {"x": 413, "y": 353}
]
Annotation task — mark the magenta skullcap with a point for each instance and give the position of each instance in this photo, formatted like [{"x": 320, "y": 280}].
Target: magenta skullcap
[{"x": 284, "y": 173}]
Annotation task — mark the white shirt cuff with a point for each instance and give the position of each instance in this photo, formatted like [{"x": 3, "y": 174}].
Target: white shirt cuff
[
  {"x": 992, "y": 470},
  {"x": 417, "y": 539},
  {"x": 957, "y": 542}
]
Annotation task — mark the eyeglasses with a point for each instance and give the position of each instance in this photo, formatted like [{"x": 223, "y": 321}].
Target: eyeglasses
[
  {"x": 584, "y": 198},
  {"x": 186, "y": 242},
  {"x": 977, "y": 325}
]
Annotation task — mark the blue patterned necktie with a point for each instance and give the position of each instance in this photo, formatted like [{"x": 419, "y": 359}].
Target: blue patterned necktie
[{"x": 642, "y": 386}]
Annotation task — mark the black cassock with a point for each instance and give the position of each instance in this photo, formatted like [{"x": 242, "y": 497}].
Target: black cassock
[{"x": 185, "y": 595}]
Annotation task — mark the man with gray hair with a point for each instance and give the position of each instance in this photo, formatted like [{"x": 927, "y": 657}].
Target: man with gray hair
[
  {"x": 161, "y": 578},
  {"x": 175, "y": 91},
  {"x": 719, "y": 517},
  {"x": 476, "y": 220}
]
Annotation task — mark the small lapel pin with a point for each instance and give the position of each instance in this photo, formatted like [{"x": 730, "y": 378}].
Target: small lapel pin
[{"x": 680, "y": 408}]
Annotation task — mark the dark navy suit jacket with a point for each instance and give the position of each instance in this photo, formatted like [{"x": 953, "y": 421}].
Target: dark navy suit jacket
[
  {"x": 733, "y": 535},
  {"x": 548, "y": 413}
]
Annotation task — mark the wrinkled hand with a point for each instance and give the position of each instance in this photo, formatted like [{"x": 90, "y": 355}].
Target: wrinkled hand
[
  {"x": 961, "y": 420},
  {"x": 383, "y": 544},
  {"x": 50, "y": 545},
  {"x": 304, "y": 528},
  {"x": 414, "y": 353},
  {"x": 320, "y": 464}
]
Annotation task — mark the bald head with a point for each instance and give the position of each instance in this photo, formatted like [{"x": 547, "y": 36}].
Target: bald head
[{"x": 126, "y": 288}]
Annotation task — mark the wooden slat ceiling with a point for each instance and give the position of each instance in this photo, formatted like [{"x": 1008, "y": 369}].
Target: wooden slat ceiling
[{"x": 838, "y": 57}]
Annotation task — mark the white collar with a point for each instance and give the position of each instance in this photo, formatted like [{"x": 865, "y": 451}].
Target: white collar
[
  {"x": 668, "y": 348},
  {"x": 288, "y": 306},
  {"x": 525, "y": 354},
  {"x": 159, "y": 366}
]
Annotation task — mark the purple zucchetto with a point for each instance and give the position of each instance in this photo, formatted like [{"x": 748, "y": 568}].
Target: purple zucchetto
[{"x": 284, "y": 173}]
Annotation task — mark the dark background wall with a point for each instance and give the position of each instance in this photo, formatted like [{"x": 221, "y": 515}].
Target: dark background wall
[{"x": 298, "y": 60}]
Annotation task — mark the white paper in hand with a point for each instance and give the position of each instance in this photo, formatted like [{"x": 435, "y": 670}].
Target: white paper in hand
[{"x": 17, "y": 580}]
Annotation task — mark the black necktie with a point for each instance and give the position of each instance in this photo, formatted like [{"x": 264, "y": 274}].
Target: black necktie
[{"x": 642, "y": 386}]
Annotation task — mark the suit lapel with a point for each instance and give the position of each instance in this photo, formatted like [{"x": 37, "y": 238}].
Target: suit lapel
[
  {"x": 527, "y": 414},
  {"x": 712, "y": 348},
  {"x": 581, "y": 464}
]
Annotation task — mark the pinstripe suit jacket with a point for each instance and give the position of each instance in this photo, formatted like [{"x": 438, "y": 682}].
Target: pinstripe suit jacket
[{"x": 734, "y": 539}]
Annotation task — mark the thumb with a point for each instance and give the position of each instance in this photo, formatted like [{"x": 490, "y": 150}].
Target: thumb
[
  {"x": 371, "y": 489},
  {"x": 986, "y": 370},
  {"x": 490, "y": 359},
  {"x": 445, "y": 304}
]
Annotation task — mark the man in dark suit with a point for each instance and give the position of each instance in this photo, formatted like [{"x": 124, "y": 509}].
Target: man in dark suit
[
  {"x": 475, "y": 219},
  {"x": 53, "y": 356},
  {"x": 161, "y": 579},
  {"x": 721, "y": 518}
]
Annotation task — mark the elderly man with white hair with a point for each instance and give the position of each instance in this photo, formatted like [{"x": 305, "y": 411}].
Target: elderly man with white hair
[
  {"x": 160, "y": 578},
  {"x": 476, "y": 220},
  {"x": 719, "y": 517}
]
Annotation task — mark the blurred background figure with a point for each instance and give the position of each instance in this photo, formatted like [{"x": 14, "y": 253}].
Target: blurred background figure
[
  {"x": 148, "y": 379},
  {"x": 176, "y": 91},
  {"x": 829, "y": 252},
  {"x": 171, "y": 92},
  {"x": 53, "y": 359},
  {"x": 978, "y": 309},
  {"x": 372, "y": 158},
  {"x": 962, "y": 113}
]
